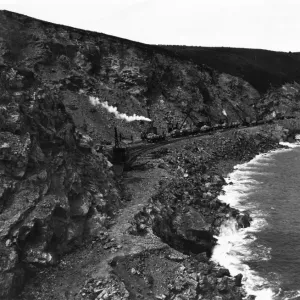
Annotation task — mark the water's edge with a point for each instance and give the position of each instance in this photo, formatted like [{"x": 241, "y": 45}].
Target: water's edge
[{"x": 233, "y": 248}]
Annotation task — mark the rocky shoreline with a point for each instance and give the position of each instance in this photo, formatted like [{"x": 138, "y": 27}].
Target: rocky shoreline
[
  {"x": 186, "y": 213},
  {"x": 159, "y": 245},
  {"x": 69, "y": 227},
  {"x": 173, "y": 232},
  {"x": 61, "y": 222}
]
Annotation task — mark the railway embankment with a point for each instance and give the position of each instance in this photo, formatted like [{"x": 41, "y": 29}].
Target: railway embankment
[
  {"x": 69, "y": 227},
  {"x": 159, "y": 244}
]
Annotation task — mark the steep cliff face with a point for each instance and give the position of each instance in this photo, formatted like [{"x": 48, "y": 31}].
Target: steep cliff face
[
  {"x": 129, "y": 75},
  {"x": 283, "y": 101},
  {"x": 54, "y": 189}
]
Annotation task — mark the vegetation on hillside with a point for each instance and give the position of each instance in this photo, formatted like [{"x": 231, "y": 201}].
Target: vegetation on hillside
[{"x": 261, "y": 68}]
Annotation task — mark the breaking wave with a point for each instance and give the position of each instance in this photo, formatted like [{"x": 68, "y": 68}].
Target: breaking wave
[{"x": 237, "y": 248}]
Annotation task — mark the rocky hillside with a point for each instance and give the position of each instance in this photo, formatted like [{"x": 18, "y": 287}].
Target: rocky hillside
[
  {"x": 55, "y": 189},
  {"x": 160, "y": 243},
  {"x": 263, "y": 69},
  {"x": 282, "y": 101},
  {"x": 129, "y": 75}
]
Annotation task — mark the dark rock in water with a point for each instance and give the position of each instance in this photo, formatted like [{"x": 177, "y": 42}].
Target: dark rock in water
[
  {"x": 238, "y": 279},
  {"x": 244, "y": 220},
  {"x": 223, "y": 272},
  {"x": 291, "y": 139}
]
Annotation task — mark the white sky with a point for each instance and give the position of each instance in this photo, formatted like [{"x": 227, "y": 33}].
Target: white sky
[{"x": 266, "y": 24}]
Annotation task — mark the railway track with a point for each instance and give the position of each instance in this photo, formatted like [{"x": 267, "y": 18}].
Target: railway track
[{"x": 134, "y": 152}]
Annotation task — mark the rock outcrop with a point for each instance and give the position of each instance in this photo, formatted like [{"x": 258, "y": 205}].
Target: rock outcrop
[
  {"x": 186, "y": 212},
  {"x": 54, "y": 189},
  {"x": 132, "y": 76},
  {"x": 57, "y": 189}
]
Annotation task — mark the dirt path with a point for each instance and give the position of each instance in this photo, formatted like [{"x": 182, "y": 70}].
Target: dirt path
[
  {"x": 92, "y": 261},
  {"x": 141, "y": 185},
  {"x": 96, "y": 262}
]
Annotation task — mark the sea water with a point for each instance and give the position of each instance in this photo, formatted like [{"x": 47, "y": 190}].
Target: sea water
[{"x": 268, "y": 252}]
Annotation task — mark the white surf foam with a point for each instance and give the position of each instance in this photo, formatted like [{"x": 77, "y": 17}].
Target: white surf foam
[
  {"x": 231, "y": 252},
  {"x": 290, "y": 145},
  {"x": 235, "y": 246}
]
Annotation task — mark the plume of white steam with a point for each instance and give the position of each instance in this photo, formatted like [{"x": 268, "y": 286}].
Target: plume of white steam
[
  {"x": 95, "y": 101},
  {"x": 224, "y": 112}
]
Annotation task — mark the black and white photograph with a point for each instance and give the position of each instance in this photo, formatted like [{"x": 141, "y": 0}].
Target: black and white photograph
[{"x": 149, "y": 150}]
